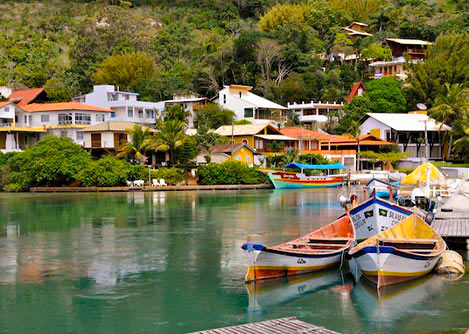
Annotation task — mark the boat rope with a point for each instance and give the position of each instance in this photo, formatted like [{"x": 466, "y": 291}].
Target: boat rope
[{"x": 341, "y": 259}]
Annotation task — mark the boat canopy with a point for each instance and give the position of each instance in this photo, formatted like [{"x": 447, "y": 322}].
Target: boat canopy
[
  {"x": 425, "y": 172},
  {"x": 303, "y": 166}
]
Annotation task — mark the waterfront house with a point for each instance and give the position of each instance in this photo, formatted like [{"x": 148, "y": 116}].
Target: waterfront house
[
  {"x": 222, "y": 153},
  {"x": 125, "y": 105},
  {"x": 414, "y": 49},
  {"x": 190, "y": 103},
  {"x": 316, "y": 114},
  {"x": 249, "y": 106},
  {"x": 262, "y": 137},
  {"x": 408, "y": 132}
]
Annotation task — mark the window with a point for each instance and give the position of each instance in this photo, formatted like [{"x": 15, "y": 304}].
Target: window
[
  {"x": 248, "y": 159},
  {"x": 81, "y": 118},
  {"x": 113, "y": 114},
  {"x": 79, "y": 135},
  {"x": 126, "y": 97},
  {"x": 130, "y": 112},
  {"x": 16, "y": 118},
  {"x": 25, "y": 119},
  {"x": 45, "y": 118},
  {"x": 388, "y": 135},
  {"x": 63, "y": 133},
  {"x": 245, "y": 141},
  {"x": 7, "y": 109},
  {"x": 100, "y": 118},
  {"x": 140, "y": 113},
  {"x": 65, "y": 119},
  {"x": 238, "y": 157},
  {"x": 248, "y": 112},
  {"x": 224, "y": 98},
  {"x": 147, "y": 113},
  {"x": 152, "y": 114}
]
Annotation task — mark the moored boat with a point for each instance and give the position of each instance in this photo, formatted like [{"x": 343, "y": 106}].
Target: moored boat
[
  {"x": 286, "y": 180},
  {"x": 406, "y": 251},
  {"x": 381, "y": 188},
  {"x": 317, "y": 250},
  {"x": 376, "y": 215}
]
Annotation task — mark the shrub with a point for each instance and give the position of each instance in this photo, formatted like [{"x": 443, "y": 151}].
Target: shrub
[
  {"x": 12, "y": 187},
  {"x": 105, "y": 172},
  {"x": 230, "y": 172},
  {"x": 171, "y": 176},
  {"x": 53, "y": 161},
  {"x": 137, "y": 172},
  {"x": 4, "y": 176}
]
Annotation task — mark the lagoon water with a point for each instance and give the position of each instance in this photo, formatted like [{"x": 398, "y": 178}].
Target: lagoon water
[{"x": 172, "y": 263}]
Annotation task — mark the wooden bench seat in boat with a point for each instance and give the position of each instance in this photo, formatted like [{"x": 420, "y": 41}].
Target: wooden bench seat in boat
[
  {"x": 409, "y": 244},
  {"x": 295, "y": 244},
  {"x": 303, "y": 250},
  {"x": 416, "y": 241},
  {"x": 329, "y": 240}
]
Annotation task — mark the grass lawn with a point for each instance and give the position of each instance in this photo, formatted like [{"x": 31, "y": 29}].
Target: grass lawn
[{"x": 449, "y": 164}]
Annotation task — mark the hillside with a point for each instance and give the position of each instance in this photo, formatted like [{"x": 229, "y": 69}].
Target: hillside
[{"x": 198, "y": 46}]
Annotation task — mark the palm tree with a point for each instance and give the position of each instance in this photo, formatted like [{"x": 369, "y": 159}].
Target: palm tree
[
  {"x": 451, "y": 107},
  {"x": 354, "y": 132},
  {"x": 169, "y": 136},
  {"x": 138, "y": 145}
]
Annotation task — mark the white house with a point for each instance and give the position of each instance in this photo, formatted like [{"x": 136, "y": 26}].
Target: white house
[
  {"x": 315, "y": 113},
  {"x": 190, "y": 103},
  {"x": 124, "y": 105},
  {"x": 408, "y": 132},
  {"x": 249, "y": 106}
]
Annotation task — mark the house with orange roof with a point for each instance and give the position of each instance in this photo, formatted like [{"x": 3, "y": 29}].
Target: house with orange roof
[
  {"x": 22, "y": 126},
  {"x": 28, "y": 96}
]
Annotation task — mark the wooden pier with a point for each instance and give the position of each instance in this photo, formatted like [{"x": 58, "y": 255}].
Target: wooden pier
[
  {"x": 453, "y": 227},
  {"x": 278, "y": 326}
]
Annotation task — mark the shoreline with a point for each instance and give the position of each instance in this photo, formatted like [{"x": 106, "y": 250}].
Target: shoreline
[{"x": 149, "y": 188}]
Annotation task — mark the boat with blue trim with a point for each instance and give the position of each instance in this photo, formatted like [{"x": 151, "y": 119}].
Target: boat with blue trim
[
  {"x": 315, "y": 251},
  {"x": 290, "y": 180},
  {"x": 404, "y": 252},
  {"x": 381, "y": 188},
  {"x": 376, "y": 215}
]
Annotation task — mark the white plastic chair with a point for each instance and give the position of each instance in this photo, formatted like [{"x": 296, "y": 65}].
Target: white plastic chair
[
  {"x": 139, "y": 183},
  {"x": 155, "y": 183},
  {"x": 130, "y": 184},
  {"x": 162, "y": 183}
]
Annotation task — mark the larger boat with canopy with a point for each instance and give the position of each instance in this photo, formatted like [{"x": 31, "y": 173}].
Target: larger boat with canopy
[{"x": 325, "y": 177}]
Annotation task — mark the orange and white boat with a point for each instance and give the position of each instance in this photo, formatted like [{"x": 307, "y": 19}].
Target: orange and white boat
[{"x": 315, "y": 251}]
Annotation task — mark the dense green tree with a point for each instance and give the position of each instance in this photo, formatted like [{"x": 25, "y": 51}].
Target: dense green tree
[
  {"x": 168, "y": 137},
  {"x": 385, "y": 95},
  {"x": 187, "y": 151},
  {"x": 53, "y": 161},
  {"x": 176, "y": 112},
  {"x": 139, "y": 144},
  {"x": 105, "y": 172},
  {"x": 212, "y": 116}
]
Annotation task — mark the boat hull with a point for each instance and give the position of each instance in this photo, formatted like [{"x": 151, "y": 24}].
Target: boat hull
[
  {"x": 295, "y": 183},
  {"x": 386, "y": 266},
  {"x": 268, "y": 263},
  {"x": 381, "y": 189}
]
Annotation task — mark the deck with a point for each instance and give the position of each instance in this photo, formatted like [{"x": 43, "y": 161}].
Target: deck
[
  {"x": 453, "y": 227},
  {"x": 278, "y": 326}
]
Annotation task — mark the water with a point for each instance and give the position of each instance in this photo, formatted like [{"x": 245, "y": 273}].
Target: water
[{"x": 172, "y": 263}]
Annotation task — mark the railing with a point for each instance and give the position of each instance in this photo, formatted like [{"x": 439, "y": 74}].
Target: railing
[
  {"x": 66, "y": 122},
  {"x": 6, "y": 125},
  {"x": 80, "y": 122}
]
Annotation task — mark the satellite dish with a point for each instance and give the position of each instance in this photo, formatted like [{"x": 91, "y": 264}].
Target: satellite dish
[{"x": 421, "y": 106}]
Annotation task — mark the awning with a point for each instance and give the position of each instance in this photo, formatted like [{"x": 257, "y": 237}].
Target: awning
[
  {"x": 302, "y": 166},
  {"x": 276, "y": 137}
]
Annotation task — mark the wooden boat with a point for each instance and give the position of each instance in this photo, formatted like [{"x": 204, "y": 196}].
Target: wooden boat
[
  {"x": 406, "y": 251},
  {"x": 317, "y": 250},
  {"x": 381, "y": 188},
  {"x": 376, "y": 215},
  {"x": 285, "y": 179}
]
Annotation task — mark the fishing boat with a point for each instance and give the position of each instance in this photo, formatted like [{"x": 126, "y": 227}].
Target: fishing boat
[
  {"x": 288, "y": 179},
  {"x": 315, "y": 251},
  {"x": 381, "y": 188},
  {"x": 406, "y": 251},
  {"x": 376, "y": 215}
]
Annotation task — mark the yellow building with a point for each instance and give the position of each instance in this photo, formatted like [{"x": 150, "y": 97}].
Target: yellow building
[
  {"x": 221, "y": 153},
  {"x": 259, "y": 136}
]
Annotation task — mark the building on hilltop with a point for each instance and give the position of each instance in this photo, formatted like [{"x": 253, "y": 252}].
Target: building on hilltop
[
  {"x": 315, "y": 114},
  {"x": 408, "y": 132},
  {"x": 190, "y": 103},
  {"x": 249, "y": 106},
  {"x": 414, "y": 49},
  {"x": 356, "y": 30},
  {"x": 358, "y": 89}
]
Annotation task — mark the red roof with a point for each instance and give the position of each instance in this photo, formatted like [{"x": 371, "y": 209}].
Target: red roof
[
  {"x": 354, "y": 91},
  {"x": 24, "y": 97},
  {"x": 364, "y": 140},
  {"x": 304, "y": 133},
  {"x": 2, "y": 104},
  {"x": 61, "y": 106}
]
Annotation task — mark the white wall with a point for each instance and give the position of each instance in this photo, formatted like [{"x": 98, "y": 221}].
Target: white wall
[
  {"x": 370, "y": 124},
  {"x": 8, "y": 111},
  {"x": 234, "y": 104}
]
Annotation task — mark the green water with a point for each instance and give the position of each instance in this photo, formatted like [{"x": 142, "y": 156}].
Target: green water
[{"x": 172, "y": 263}]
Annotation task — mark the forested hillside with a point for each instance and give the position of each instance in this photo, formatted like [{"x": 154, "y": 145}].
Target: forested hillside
[{"x": 159, "y": 47}]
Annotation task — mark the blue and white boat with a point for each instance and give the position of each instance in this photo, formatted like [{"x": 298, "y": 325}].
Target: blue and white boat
[{"x": 381, "y": 188}]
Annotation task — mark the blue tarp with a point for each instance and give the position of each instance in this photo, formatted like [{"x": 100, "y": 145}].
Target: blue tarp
[{"x": 302, "y": 166}]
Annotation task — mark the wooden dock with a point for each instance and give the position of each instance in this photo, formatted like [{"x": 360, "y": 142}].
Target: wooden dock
[
  {"x": 453, "y": 227},
  {"x": 278, "y": 326},
  {"x": 147, "y": 188}
]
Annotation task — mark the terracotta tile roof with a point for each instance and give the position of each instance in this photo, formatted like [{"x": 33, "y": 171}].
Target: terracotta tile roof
[
  {"x": 2, "y": 104},
  {"x": 347, "y": 140},
  {"x": 61, "y": 106},
  {"x": 304, "y": 133},
  {"x": 354, "y": 90},
  {"x": 24, "y": 97}
]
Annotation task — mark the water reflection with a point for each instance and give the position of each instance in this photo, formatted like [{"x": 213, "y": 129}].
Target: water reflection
[{"x": 265, "y": 294}]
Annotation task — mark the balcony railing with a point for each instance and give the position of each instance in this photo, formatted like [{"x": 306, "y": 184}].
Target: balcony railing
[
  {"x": 6, "y": 125},
  {"x": 65, "y": 122},
  {"x": 82, "y": 122}
]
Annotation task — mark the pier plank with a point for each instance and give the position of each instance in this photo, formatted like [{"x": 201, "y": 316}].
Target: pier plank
[{"x": 277, "y": 326}]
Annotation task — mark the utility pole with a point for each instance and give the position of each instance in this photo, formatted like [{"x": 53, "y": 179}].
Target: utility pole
[{"x": 427, "y": 156}]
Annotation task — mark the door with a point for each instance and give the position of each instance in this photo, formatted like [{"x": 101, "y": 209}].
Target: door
[{"x": 96, "y": 140}]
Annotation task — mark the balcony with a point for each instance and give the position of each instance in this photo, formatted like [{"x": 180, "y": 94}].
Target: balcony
[
  {"x": 65, "y": 122},
  {"x": 82, "y": 122},
  {"x": 6, "y": 125}
]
